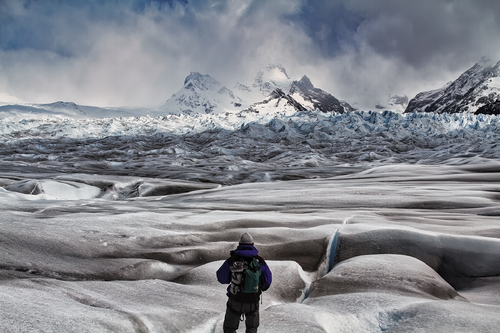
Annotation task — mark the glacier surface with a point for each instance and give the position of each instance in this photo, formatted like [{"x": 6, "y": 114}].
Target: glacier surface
[
  {"x": 235, "y": 148},
  {"x": 386, "y": 222}
]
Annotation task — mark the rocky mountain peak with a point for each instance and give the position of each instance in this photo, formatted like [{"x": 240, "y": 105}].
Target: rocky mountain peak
[
  {"x": 477, "y": 87},
  {"x": 315, "y": 98},
  {"x": 277, "y": 70},
  {"x": 274, "y": 76},
  {"x": 304, "y": 83},
  {"x": 202, "y": 82}
]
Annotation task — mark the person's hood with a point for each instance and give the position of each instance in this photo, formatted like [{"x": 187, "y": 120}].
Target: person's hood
[{"x": 246, "y": 251}]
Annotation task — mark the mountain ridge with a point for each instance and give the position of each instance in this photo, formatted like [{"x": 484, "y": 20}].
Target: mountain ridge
[
  {"x": 318, "y": 98},
  {"x": 271, "y": 91},
  {"x": 475, "y": 90}
]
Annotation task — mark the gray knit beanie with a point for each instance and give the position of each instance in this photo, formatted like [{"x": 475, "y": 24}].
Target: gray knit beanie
[{"x": 246, "y": 239}]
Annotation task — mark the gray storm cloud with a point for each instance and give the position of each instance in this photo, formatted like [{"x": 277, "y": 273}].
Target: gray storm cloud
[
  {"x": 118, "y": 53},
  {"x": 419, "y": 31},
  {"x": 403, "y": 47}
]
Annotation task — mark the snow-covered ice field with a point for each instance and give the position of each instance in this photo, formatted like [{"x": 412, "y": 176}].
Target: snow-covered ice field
[{"x": 385, "y": 223}]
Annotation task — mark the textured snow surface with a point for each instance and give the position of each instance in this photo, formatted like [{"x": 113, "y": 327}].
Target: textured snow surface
[{"x": 415, "y": 248}]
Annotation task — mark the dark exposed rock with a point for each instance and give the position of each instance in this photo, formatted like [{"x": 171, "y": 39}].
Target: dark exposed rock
[
  {"x": 320, "y": 99},
  {"x": 491, "y": 108},
  {"x": 278, "y": 94}
]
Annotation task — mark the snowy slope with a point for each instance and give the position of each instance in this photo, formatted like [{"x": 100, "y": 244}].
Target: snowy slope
[
  {"x": 278, "y": 102},
  {"x": 9, "y": 99},
  {"x": 263, "y": 84},
  {"x": 476, "y": 88},
  {"x": 201, "y": 94},
  {"x": 272, "y": 78},
  {"x": 63, "y": 110}
]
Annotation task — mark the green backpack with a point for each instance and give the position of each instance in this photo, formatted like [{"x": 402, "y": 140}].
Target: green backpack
[
  {"x": 251, "y": 281},
  {"x": 245, "y": 277}
]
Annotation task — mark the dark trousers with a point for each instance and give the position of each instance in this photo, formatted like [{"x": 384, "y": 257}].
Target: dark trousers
[{"x": 234, "y": 312}]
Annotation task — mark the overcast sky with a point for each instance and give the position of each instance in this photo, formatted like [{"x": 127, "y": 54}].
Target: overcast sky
[{"x": 138, "y": 52}]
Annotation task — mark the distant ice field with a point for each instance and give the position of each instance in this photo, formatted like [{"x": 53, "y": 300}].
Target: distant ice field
[{"x": 238, "y": 148}]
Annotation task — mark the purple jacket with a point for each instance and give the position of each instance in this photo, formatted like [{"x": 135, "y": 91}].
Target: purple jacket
[{"x": 245, "y": 251}]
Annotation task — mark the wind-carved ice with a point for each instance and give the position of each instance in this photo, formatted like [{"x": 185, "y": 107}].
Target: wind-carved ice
[{"x": 239, "y": 148}]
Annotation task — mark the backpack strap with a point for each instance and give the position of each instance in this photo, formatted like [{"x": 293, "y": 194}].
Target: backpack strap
[{"x": 233, "y": 258}]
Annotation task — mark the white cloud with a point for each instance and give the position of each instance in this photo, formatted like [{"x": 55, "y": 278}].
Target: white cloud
[
  {"x": 142, "y": 58},
  {"x": 404, "y": 47}
]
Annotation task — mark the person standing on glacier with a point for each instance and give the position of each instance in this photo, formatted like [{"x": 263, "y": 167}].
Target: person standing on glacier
[{"x": 248, "y": 275}]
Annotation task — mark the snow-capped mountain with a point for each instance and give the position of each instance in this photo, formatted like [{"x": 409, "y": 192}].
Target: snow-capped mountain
[
  {"x": 299, "y": 96},
  {"x": 314, "y": 98},
  {"x": 68, "y": 107},
  {"x": 272, "y": 78},
  {"x": 263, "y": 84},
  {"x": 202, "y": 94},
  {"x": 476, "y": 91},
  {"x": 271, "y": 91}
]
